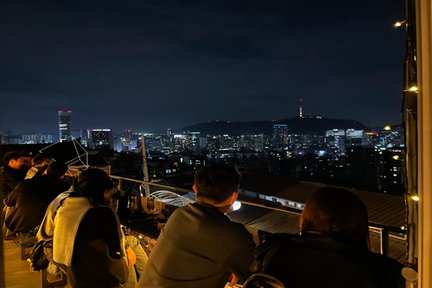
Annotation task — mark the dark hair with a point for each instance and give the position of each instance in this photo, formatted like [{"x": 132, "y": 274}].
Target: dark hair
[
  {"x": 92, "y": 183},
  {"x": 40, "y": 158},
  {"x": 336, "y": 212},
  {"x": 11, "y": 155},
  {"x": 217, "y": 182},
  {"x": 57, "y": 169}
]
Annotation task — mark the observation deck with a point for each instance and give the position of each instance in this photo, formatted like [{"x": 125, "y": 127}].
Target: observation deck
[{"x": 259, "y": 212}]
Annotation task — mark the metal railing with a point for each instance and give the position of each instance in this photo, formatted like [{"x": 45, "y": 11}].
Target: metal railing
[{"x": 383, "y": 232}]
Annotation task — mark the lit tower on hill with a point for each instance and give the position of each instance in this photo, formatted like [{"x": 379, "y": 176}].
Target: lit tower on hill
[
  {"x": 300, "y": 108},
  {"x": 64, "y": 121}
]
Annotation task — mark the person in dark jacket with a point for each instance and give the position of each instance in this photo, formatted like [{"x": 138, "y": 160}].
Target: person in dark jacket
[
  {"x": 332, "y": 249},
  {"x": 31, "y": 197},
  {"x": 200, "y": 246},
  {"x": 12, "y": 173}
]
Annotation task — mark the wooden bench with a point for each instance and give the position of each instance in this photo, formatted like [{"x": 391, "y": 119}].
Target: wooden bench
[
  {"x": 49, "y": 280},
  {"x": 24, "y": 251}
]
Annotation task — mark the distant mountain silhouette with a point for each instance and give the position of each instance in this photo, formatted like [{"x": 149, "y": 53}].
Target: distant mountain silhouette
[{"x": 295, "y": 125}]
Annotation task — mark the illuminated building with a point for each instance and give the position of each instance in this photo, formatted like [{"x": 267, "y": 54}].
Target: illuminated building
[
  {"x": 280, "y": 135},
  {"x": 335, "y": 139},
  {"x": 100, "y": 138},
  {"x": 391, "y": 171},
  {"x": 252, "y": 142},
  {"x": 64, "y": 122},
  {"x": 355, "y": 137},
  {"x": 391, "y": 137},
  {"x": 38, "y": 138},
  {"x": 80, "y": 134}
]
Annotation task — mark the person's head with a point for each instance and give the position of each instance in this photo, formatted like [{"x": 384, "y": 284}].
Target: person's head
[
  {"x": 41, "y": 160},
  {"x": 13, "y": 159},
  {"x": 57, "y": 169},
  {"x": 27, "y": 159},
  {"x": 94, "y": 184},
  {"x": 217, "y": 183},
  {"x": 336, "y": 212}
]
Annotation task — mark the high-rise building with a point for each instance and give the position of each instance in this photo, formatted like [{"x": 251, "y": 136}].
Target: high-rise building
[
  {"x": 355, "y": 137},
  {"x": 81, "y": 135},
  {"x": 100, "y": 138},
  {"x": 252, "y": 142},
  {"x": 280, "y": 135},
  {"x": 64, "y": 121}
]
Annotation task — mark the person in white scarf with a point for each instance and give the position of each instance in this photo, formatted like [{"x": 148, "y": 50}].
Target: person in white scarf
[{"x": 87, "y": 236}]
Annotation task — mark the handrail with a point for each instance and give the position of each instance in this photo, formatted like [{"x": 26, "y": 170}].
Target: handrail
[
  {"x": 372, "y": 225},
  {"x": 383, "y": 231},
  {"x": 151, "y": 184}
]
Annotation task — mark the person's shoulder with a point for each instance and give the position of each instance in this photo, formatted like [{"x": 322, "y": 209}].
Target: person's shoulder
[
  {"x": 24, "y": 184},
  {"x": 60, "y": 184},
  {"x": 234, "y": 231},
  {"x": 384, "y": 261},
  {"x": 191, "y": 208},
  {"x": 101, "y": 213},
  {"x": 387, "y": 269},
  {"x": 102, "y": 210}
]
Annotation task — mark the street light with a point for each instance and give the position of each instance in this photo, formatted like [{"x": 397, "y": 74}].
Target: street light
[
  {"x": 398, "y": 24},
  {"x": 412, "y": 89}
]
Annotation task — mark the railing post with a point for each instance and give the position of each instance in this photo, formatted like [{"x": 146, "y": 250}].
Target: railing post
[
  {"x": 384, "y": 242},
  {"x": 120, "y": 185}
]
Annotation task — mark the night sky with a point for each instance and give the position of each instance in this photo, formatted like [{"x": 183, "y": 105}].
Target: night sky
[{"x": 147, "y": 65}]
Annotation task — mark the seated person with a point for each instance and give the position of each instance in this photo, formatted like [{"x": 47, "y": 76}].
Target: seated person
[
  {"x": 12, "y": 173},
  {"x": 200, "y": 246},
  {"x": 87, "y": 238},
  {"x": 31, "y": 197},
  {"x": 38, "y": 166},
  {"x": 332, "y": 249}
]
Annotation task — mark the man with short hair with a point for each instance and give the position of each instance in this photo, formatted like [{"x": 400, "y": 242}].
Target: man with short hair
[
  {"x": 12, "y": 172},
  {"x": 200, "y": 246}
]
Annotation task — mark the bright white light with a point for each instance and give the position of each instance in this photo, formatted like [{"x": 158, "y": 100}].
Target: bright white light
[
  {"x": 412, "y": 89},
  {"x": 415, "y": 198},
  {"x": 236, "y": 205},
  {"x": 398, "y": 24}
]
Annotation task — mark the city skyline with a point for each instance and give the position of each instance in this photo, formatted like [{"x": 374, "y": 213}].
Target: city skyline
[
  {"x": 145, "y": 65},
  {"x": 64, "y": 131}
]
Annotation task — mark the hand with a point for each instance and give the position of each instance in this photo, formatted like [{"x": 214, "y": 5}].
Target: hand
[
  {"x": 233, "y": 279},
  {"x": 131, "y": 257}
]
